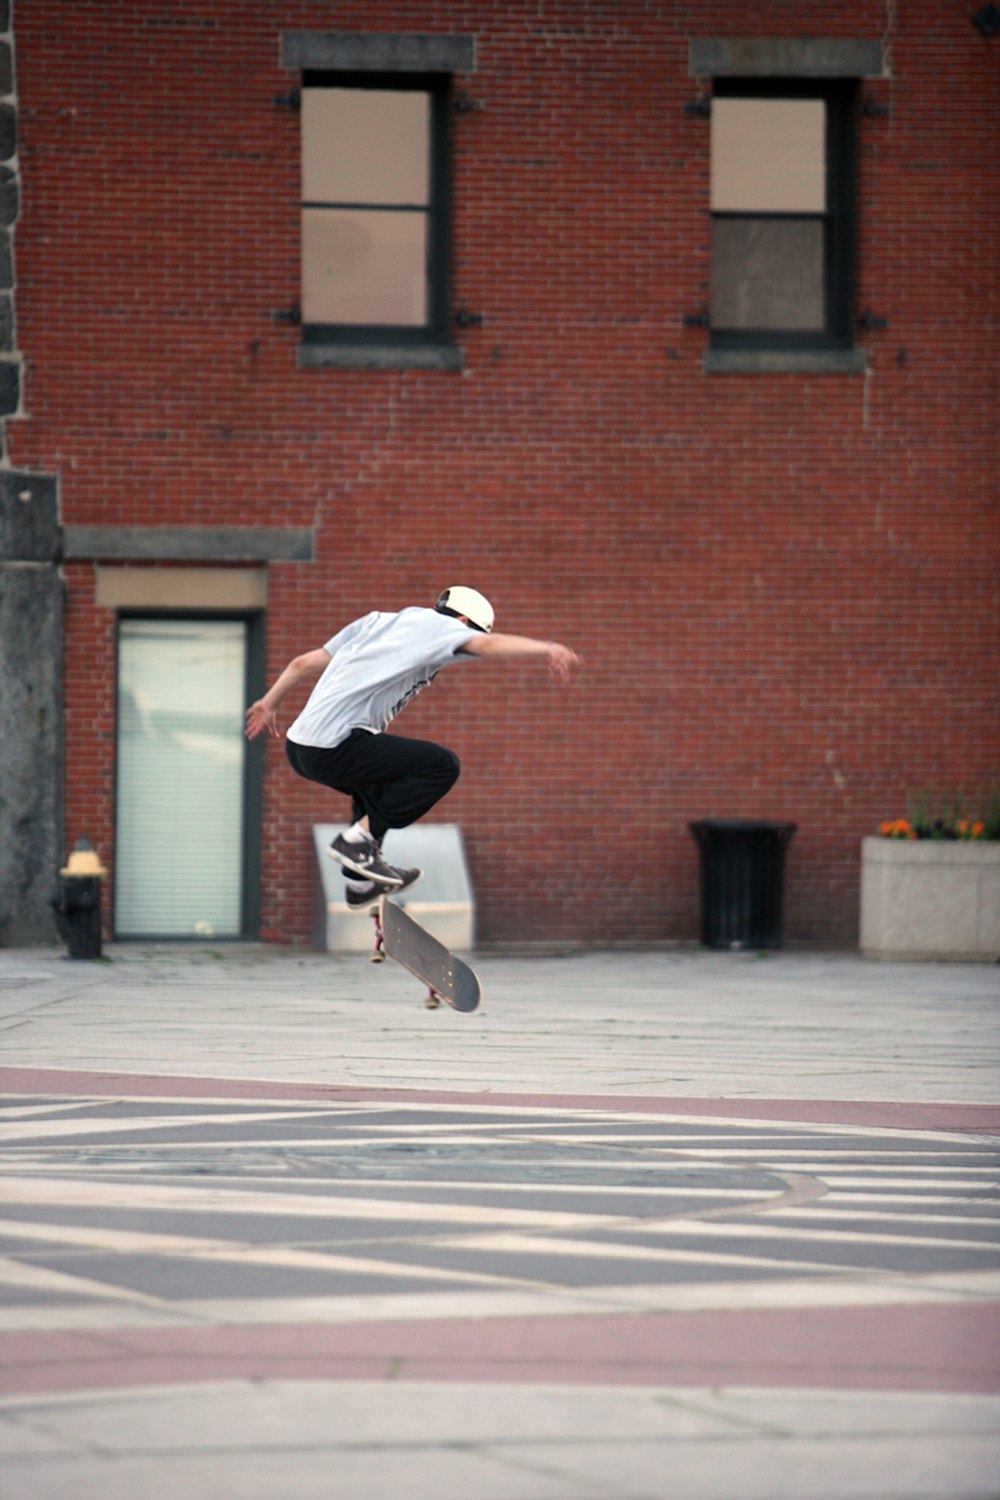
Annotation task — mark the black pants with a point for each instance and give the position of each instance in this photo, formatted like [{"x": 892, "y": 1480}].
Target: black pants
[{"x": 391, "y": 780}]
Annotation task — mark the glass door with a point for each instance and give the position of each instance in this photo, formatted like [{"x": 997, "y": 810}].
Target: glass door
[{"x": 180, "y": 839}]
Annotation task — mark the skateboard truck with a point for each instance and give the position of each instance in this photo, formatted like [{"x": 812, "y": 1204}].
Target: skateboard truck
[
  {"x": 433, "y": 1001},
  {"x": 378, "y": 954}
]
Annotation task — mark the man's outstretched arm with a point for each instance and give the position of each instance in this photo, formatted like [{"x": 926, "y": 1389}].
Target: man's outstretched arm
[
  {"x": 262, "y": 715},
  {"x": 561, "y": 659}
]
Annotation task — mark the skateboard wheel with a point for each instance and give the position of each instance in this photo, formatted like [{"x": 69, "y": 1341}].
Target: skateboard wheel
[
  {"x": 378, "y": 958},
  {"x": 433, "y": 1002}
]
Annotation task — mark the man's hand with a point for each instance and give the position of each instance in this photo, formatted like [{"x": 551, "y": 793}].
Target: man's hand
[
  {"x": 260, "y": 718},
  {"x": 263, "y": 715},
  {"x": 562, "y": 661}
]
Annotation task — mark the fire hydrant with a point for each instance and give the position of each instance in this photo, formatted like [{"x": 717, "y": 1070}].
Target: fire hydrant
[{"x": 78, "y": 903}]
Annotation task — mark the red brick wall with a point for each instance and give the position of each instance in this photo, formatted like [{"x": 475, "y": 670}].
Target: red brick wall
[{"x": 785, "y": 587}]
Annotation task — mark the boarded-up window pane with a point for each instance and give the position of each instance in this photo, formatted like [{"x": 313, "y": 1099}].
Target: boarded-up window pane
[
  {"x": 364, "y": 267},
  {"x": 365, "y": 146},
  {"x": 767, "y": 274},
  {"x": 768, "y": 155}
]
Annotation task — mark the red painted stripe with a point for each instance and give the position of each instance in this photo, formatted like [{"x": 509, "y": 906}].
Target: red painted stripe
[
  {"x": 898, "y": 1115},
  {"x": 933, "y": 1347}
]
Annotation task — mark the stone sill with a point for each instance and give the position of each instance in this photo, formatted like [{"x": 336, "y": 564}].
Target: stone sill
[
  {"x": 223, "y": 544},
  {"x": 786, "y": 362},
  {"x": 379, "y": 357}
]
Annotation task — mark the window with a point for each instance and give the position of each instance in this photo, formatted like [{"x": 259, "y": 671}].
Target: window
[
  {"x": 376, "y": 143},
  {"x": 783, "y": 122},
  {"x": 374, "y": 209},
  {"x": 782, "y": 215}
]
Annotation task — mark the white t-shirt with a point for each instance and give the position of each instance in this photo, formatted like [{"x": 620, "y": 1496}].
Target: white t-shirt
[{"x": 378, "y": 664}]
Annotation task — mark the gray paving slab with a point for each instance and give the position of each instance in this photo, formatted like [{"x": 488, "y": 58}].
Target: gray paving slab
[
  {"x": 361, "y": 1441},
  {"x": 681, "y": 1022}
]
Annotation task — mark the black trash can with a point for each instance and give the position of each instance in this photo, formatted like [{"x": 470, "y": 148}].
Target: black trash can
[{"x": 742, "y": 881}]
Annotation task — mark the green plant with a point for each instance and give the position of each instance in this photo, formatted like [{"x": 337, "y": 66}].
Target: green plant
[{"x": 948, "y": 819}]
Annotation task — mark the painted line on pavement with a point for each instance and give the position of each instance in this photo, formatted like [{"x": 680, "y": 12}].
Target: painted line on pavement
[{"x": 944, "y": 1116}]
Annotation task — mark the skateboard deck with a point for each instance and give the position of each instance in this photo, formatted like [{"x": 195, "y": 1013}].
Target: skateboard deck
[{"x": 412, "y": 946}]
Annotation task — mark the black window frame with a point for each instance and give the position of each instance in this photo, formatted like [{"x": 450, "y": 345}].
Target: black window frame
[
  {"x": 840, "y": 96},
  {"x": 434, "y": 333}
]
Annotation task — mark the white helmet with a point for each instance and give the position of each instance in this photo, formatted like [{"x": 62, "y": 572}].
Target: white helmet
[{"x": 461, "y": 601}]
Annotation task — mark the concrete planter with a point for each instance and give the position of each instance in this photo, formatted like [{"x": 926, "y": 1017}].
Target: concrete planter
[{"x": 930, "y": 899}]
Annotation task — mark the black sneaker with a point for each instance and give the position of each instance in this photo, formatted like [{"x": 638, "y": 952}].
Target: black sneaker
[
  {"x": 362, "y": 900},
  {"x": 365, "y": 860},
  {"x": 406, "y": 878}
]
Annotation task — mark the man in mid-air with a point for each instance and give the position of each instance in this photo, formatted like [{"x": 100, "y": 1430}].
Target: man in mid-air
[{"x": 368, "y": 672}]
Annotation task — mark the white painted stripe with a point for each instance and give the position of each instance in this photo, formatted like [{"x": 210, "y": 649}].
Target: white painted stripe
[
  {"x": 183, "y": 1247},
  {"x": 36, "y": 1111},
  {"x": 47, "y": 1129},
  {"x": 984, "y": 1177},
  {"x": 212, "y": 1199},
  {"x": 719, "y": 1229},
  {"x": 531, "y": 1245},
  {"x": 644, "y": 1134},
  {"x": 858, "y": 1290},
  {"x": 39, "y": 1279},
  {"x": 832, "y": 1209},
  {"x": 865, "y": 1200},
  {"x": 800, "y": 1162},
  {"x": 877, "y": 1171}
]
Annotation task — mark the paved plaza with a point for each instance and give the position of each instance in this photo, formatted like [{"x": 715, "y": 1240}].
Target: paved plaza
[{"x": 648, "y": 1226}]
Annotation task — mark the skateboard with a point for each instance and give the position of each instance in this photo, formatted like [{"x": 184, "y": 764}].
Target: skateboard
[{"x": 412, "y": 946}]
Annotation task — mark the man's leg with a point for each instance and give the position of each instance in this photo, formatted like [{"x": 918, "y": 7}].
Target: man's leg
[
  {"x": 392, "y": 781},
  {"x": 356, "y": 849},
  {"x": 395, "y": 780}
]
